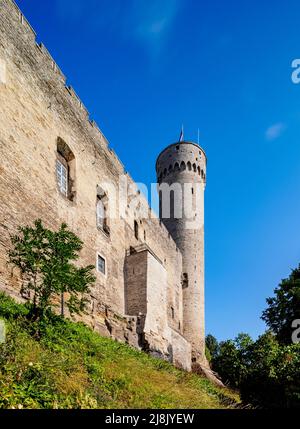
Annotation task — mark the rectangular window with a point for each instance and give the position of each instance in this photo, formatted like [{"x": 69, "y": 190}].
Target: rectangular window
[
  {"x": 101, "y": 265},
  {"x": 62, "y": 177}
]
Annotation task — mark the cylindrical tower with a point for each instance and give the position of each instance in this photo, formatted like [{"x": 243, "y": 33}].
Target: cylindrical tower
[{"x": 181, "y": 177}]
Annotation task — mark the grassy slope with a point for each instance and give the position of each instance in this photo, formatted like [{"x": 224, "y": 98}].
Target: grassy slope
[{"x": 73, "y": 367}]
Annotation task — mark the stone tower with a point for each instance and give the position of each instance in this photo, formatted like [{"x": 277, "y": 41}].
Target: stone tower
[{"x": 181, "y": 176}]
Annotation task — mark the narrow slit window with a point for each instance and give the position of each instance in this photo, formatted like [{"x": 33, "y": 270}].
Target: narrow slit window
[
  {"x": 172, "y": 313},
  {"x": 136, "y": 230}
]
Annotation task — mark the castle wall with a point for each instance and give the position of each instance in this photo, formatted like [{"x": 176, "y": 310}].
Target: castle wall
[
  {"x": 37, "y": 108},
  {"x": 163, "y": 340},
  {"x": 136, "y": 266},
  {"x": 147, "y": 293}
]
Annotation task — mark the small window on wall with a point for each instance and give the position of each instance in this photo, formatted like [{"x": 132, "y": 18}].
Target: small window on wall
[
  {"x": 65, "y": 170},
  {"x": 136, "y": 230},
  {"x": 185, "y": 280},
  {"x": 101, "y": 264},
  {"x": 172, "y": 313},
  {"x": 62, "y": 177},
  {"x": 102, "y": 211}
]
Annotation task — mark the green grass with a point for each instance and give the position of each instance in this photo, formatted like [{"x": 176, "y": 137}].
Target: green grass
[{"x": 70, "y": 366}]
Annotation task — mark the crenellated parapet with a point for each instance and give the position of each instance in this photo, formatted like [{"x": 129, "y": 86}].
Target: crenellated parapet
[
  {"x": 182, "y": 157},
  {"x": 24, "y": 38}
]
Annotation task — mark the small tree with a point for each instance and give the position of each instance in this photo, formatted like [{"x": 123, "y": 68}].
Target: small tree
[
  {"x": 284, "y": 308},
  {"x": 45, "y": 259},
  {"x": 272, "y": 379},
  {"x": 233, "y": 359},
  {"x": 212, "y": 345}
]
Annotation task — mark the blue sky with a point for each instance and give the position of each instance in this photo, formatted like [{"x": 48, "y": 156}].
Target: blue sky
[{"x": 143, "y": 68}]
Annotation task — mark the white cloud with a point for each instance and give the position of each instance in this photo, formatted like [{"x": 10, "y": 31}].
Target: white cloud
[
  {"x": 152, "y": 21},
  {"x": 275, "y": 131},
  {"x": 104, "y": 15},
  {"x": 147, "y": 22}
]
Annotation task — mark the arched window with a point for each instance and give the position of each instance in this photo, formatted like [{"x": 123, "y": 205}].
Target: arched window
[
  {"x": 182, "y": 166},
  {"x": 194, "y": 167},
  {"x": 189, "y": 166},
  {"x": 176, "y": 167},
  {"x": 199, "y": 170},
  {"x": 65, "y": 170}
]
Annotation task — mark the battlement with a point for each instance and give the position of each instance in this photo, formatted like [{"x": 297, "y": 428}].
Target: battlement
[
  {"x": 53, "y": 64},
  {"x": 24, "y": 30},
  {"x": 23, "y": 19},
  {"x": 184, "y": 157}
]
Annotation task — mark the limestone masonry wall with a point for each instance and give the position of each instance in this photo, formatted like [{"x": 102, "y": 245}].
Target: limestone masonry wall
[{"x": 139, "y": 299}]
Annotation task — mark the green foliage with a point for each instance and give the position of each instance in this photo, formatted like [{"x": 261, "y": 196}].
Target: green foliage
[
  {"x": 284, "y": 307},
  {"x": 211, "y": 347},
  {"x": 45, "y": 259},
  {"x": 207, "y": 354},
  {"x": 267, "y": 373},
  {"x": 10, "y": 308},
  {"x": 273, "y": 376},
  {"x": 232, "y": 360},
  {"x": 70, "y": 366}
]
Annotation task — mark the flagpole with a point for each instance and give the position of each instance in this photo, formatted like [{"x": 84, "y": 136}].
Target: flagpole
[{"x": 181, "y": 138}]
